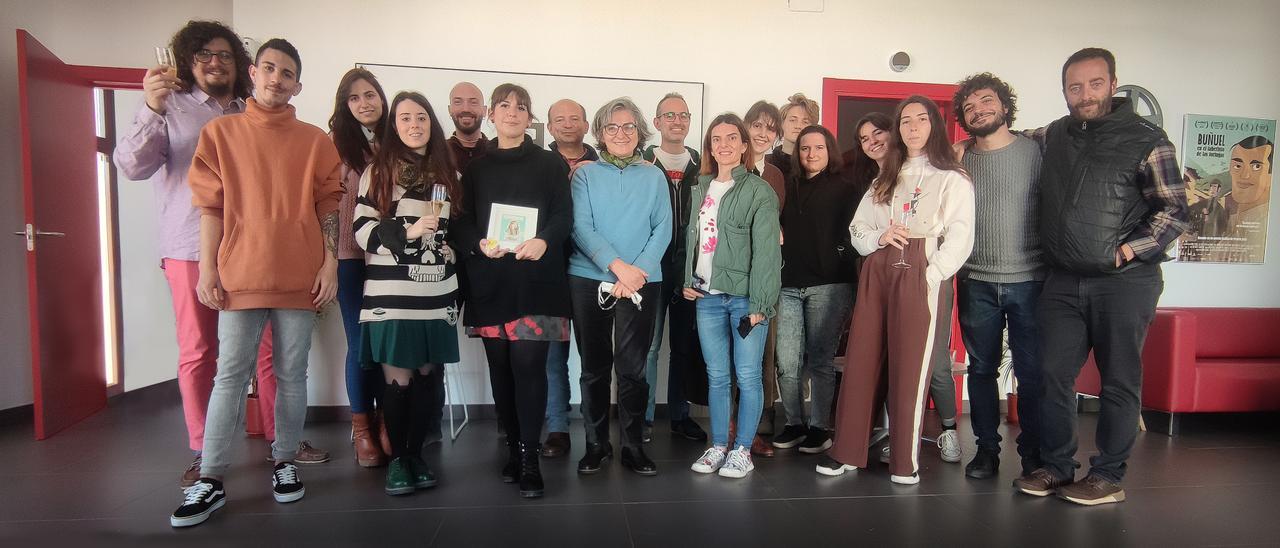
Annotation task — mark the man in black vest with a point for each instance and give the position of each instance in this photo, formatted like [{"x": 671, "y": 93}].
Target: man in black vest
[{"x": 1111, "y": 202}]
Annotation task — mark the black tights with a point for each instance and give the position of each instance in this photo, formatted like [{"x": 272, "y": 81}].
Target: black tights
[
  {"x": 407, "y": 410},
  {"x": 518, "y": 375}
]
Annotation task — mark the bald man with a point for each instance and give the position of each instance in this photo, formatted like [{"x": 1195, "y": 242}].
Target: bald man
[
  {"x": 567, "y": 123},
  {"x": 466, "y": 109}
]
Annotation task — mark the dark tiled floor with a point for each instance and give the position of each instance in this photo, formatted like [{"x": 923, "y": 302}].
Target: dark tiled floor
[{"x": 110, "y": 481}]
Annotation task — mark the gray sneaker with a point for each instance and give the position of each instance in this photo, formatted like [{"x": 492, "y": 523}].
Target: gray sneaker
[
  {"x": 710, "y": 461},
  {"x": 737, "y": 464},
  {"x": 949, "y": 443}
]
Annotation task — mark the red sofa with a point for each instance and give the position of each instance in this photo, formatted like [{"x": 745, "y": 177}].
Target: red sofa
[{"x": 1201, "y": 360}]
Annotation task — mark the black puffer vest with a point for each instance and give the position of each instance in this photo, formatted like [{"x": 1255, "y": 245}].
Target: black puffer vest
[{"x": 1090, "y": 198}]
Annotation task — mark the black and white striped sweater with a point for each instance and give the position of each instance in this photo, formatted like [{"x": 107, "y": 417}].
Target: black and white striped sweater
[{"x": 404, "y": 279}]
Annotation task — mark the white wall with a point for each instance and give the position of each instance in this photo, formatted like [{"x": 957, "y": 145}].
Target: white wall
[
  {"x": 1196, "y": 57},
  {"x": 83, "y": 32}
]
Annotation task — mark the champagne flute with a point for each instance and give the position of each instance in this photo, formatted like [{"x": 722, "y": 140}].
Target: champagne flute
[
  {"x": 439, "y": 195},
  {"x": 165, "y": 58},
  {"x": 902, "y": 255}
]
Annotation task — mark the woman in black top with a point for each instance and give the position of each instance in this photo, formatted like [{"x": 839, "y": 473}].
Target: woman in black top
[
  {"x": 817, "y": 288},
  {"x": 517, "y": 299}
]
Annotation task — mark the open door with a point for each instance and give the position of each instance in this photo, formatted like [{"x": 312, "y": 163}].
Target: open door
[{"x": 63, "y": 240}]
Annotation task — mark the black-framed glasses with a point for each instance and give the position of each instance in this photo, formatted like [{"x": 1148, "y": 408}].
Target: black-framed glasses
[
  {"x": 672, "y": 116},
  {"x": 612, "y": 129},
  {"x": 204, "y": 56}
]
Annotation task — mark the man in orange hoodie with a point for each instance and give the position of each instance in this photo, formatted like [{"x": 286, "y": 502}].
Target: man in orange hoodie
[{"x": 267, "y": 186}]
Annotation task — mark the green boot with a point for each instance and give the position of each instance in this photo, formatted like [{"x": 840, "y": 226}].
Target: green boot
[
  {"x": 399, "y": 477},
  {"x": 421, "y": 474}
]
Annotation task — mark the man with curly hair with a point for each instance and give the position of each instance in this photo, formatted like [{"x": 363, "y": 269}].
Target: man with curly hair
[
  {"x": 212, "y": 80},
  {"x": 1000, "y": 283}
]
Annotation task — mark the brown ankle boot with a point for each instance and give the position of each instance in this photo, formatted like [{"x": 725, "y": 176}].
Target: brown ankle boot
[
  {"x": 383, "y": 439},
  {"x": 368, "y": 454}
]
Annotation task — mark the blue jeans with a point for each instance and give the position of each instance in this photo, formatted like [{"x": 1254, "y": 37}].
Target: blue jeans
[
  {"x": 239, "y": 333},
  {"x": 985, "y": 309},
  {"x": 682, "y": 349},
  {"x": 360, "y": 384},
  {"x": 558, "y": 387},
  {"x": 724, "y": 351},
  {"x": 809, "y": 323}
]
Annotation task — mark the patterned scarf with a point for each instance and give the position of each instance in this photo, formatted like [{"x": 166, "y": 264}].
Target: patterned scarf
[{"x": 620, "y": 163}]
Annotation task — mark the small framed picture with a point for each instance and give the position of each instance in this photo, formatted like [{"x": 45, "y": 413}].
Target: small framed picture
[{"x": 511, "y": 225}]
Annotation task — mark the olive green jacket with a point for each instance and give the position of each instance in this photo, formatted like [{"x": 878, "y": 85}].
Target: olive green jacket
[{"x": 748, "y": 258}]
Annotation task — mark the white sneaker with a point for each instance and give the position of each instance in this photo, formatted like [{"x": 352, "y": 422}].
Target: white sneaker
[
  {"x": 949, "y": 443},
  {"x": 905, "y": 480},
  {"x": 884, "y": 454},
  {"x": 710, "y": 461},
  {"x": 737, "y": 464}
]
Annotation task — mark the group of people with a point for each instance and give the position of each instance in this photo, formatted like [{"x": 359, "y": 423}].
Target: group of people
[{"x": 761, "y": 248}]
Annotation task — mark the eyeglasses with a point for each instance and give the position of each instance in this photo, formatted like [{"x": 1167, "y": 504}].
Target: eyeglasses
[
  {"x": 612, "y": 129},
  {"x": 204, "y": 56},
  {"x": 671, "y": 116}
]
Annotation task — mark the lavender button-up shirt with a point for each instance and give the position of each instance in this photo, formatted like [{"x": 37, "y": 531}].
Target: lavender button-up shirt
[{"x": 167, "y": 143}]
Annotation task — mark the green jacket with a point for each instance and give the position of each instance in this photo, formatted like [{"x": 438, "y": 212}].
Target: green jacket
[{"x": 748, "y": 259}]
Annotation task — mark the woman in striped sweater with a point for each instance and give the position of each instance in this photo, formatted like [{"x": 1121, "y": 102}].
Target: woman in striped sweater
[{"x": 410, "y": 292}]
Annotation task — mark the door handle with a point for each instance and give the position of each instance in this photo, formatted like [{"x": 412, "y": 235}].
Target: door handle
[{"x": 30, "y": 233}]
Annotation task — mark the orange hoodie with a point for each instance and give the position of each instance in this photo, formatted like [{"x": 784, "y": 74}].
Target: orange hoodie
[{"x": 271, "y": 178}]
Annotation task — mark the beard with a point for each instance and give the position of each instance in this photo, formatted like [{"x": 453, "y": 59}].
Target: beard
[
  {"x": 1104, "y": 108},
  {"x": 469, "y": 124},
  {"x": 218, "y": 90},
  {"x": 990, "y": 127}
]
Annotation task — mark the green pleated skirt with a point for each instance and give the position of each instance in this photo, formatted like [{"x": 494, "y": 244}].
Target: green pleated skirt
[{"x": 409, "y": 344}]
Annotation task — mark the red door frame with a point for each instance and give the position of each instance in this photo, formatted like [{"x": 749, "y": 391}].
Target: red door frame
[
  {"x": 89, "y": 77},
  {"x": 833, "y": 89}
]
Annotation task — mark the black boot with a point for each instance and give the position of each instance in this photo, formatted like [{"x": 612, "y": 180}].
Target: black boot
[
  {"x": 395, "y": 411},
  {"x": 421, "y": 400},
  {"x": 530, "y": 472},
  {"x": 511, "y": 470},
  {"x": 597, "y": 453}
]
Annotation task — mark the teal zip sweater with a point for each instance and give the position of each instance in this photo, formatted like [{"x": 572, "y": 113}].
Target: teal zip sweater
[
  {"x": 748, "y": 259},
  {"x": 619, "y": 214}
]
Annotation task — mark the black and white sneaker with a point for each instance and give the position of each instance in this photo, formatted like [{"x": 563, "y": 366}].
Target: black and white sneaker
[
  {"x": 199, "y": 501},
  {"x": 285, "y": 484},
  {"x": 791, "y": 436},
  {"x": 816, "y": 441}
]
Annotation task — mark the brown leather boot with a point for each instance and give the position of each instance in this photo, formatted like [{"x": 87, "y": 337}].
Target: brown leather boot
[
  {"x": 383, "y": 439},
  {"x": 368, "y": 454}
]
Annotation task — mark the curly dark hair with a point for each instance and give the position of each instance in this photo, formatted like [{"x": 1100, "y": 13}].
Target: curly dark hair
[
  {"x": 982, "y": 81},
  {"x": 194, "y": 36}
]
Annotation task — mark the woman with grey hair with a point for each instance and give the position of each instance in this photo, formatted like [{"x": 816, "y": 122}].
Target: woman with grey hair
[{"x": 621, "y": 228}]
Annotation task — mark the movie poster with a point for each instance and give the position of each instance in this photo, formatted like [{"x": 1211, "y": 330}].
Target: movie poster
[{"x": 1226, "y": 165}]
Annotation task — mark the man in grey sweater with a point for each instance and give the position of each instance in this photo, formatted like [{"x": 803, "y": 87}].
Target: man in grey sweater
[{"x": 1000, "y": 283}]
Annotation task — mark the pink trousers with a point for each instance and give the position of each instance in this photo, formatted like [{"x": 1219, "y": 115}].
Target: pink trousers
[{"x": 198, "y": 354}]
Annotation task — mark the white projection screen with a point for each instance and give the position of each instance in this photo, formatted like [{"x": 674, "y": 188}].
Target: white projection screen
[{"x": 591, "y": 91}]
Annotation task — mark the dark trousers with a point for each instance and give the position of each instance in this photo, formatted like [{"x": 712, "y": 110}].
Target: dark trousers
[
  {"x": 615, "y": 339},
  {"x": 986, "y": 309},
  {"x": 1109, "y": 315},
  {"x": 518, "y": 375},
  {"x": 686, "y": 353}
]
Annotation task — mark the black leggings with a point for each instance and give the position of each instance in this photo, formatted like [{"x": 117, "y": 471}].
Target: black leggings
[{"x": 518, "y": 375}]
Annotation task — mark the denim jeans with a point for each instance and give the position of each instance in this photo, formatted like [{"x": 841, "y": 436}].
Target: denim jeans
[
  {"x": 1109, "y": 314},
  {"x": 725, "y": 351},
  {"x": 239, "y": 332},
  {"x": 682, "y": 347},
  {"x": 809, "y": 323},
  {"x": 986, "y": 308},
  {"x": 362, "y": 384},
  {"x": 558, "y": 387}
]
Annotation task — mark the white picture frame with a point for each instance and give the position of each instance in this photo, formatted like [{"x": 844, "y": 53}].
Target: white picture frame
[{"x": 511, "y": 225}]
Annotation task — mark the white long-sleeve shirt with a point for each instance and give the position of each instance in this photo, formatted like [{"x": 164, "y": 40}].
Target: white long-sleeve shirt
[{"x": 944, "y": 209}]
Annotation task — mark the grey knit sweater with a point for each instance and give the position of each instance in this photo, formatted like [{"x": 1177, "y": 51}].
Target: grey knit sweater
[{"x": 1006, "y": 247}]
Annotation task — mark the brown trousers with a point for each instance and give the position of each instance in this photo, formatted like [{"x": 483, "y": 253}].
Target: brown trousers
[{"x": 891, "y": 346}]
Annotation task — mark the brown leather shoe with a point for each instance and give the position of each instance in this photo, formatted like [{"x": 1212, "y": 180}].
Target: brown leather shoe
[
  {"x": 761, "y": 448},
  {"x": 310, "y": 455},
  {"x": 383, "y": 439},
  {"x": 368, "y": 454},
  {"x": 1040, "y": 483},
  {"x": 1092, "y": 491},
  {"x": 192, "y": 475},
  {"x": 557, "y": 445}
]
